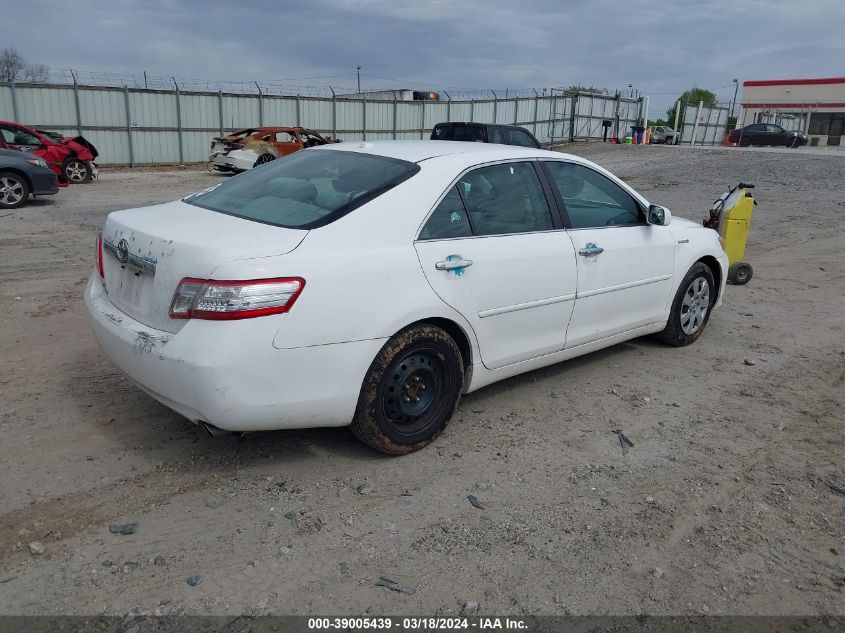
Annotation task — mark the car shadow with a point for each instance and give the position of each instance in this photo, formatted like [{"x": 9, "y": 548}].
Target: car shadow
[{"x": 161, "y": 435}]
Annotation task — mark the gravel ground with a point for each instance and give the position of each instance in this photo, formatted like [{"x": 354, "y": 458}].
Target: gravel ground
[{"x": 724, "y": 504}]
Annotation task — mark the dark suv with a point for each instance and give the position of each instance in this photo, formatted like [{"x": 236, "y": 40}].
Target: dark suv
[{"x": 484, "y": 133}]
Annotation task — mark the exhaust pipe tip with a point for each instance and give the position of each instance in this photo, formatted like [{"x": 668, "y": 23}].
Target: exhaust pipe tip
[{"x": 212, "y": 430}]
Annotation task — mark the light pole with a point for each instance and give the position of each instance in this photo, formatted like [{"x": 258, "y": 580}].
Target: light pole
[
  {"x": 358, "y": 69},
  {"x": 733, "y": 103}
]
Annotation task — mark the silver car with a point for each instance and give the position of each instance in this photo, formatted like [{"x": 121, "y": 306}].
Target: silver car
[{"x": 663, "y": 134}]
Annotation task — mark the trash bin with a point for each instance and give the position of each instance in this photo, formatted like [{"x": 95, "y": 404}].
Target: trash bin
[
  {"x": 640, "y": 132},
  {"x": 731, "y": 217}
]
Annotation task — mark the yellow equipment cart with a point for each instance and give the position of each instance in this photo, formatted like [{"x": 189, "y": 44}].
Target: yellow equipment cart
[{"x": 731, "y": 217}]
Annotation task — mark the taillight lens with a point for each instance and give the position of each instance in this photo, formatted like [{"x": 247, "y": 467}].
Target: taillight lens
[
  {"x": 224, "y": 300},
  {"x": 100, "y": 255}
]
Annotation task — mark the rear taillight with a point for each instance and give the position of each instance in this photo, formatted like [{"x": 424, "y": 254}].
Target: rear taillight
[
  {"x": 224, "y": 300},
  {"x": 100, "y": 255}
]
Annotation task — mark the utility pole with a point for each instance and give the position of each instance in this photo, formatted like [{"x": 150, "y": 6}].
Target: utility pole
[
  {"x": 733, "y": 103},
  {"x": 358, "y": 69}
]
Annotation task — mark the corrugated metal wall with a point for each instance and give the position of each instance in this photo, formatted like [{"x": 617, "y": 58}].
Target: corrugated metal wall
[
  {"x": 704, "y": 126},
  {"x": 138, "y": 126}
]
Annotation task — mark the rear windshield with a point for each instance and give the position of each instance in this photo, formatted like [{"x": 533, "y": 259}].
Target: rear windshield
[{"x": 305, "y": 190}]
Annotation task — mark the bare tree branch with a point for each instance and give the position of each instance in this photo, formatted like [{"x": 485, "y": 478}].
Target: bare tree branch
[{"x": 11, "y": 64}]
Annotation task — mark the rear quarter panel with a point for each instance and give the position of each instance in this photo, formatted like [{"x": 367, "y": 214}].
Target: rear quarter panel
[{"x": 362, "y": 276}]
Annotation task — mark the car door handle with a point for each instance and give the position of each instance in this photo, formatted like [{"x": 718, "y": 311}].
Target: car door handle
[
  {"x": 591, "y": 249},
  {"x": 453, "y": 262}
]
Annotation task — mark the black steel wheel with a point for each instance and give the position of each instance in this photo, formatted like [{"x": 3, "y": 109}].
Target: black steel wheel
[
  {"x": 740, "y": 273},
  {"x": 410, "y": 391}
]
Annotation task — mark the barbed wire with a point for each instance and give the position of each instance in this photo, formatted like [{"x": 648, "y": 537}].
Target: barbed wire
[{"x": 282, "y": 87}]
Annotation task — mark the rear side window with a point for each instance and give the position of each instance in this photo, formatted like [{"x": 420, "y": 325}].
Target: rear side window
[
  {"x": 495, "y": 200},
  {"x": 306, "y": 190},
  {"x": 521, "y": 138},
  {"x": 471, "y": 133},
  {"x": 449, "y": 219}
]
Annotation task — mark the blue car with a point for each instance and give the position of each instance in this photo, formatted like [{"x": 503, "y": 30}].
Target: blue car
[{"x": 22, "y": 175}]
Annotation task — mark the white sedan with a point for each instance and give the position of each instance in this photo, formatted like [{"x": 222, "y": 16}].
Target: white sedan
[{"x": 372, "y": 284}]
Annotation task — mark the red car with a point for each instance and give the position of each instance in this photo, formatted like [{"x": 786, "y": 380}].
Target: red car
[{"x": 72, "y": 158}]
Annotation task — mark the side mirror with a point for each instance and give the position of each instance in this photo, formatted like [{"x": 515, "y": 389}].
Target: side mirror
[{"x": 659, "y": 215}]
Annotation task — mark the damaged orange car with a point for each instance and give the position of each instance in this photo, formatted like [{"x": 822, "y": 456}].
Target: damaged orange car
[{"x": 249, "y": 148}]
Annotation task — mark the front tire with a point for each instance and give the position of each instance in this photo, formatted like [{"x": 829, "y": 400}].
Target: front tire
[
  {"x": 410, "y": 391},
  {"x": 76, "y": 171},
  {"x": 691, "y": 307},
  {"x": 14, "y": 190},
  {"x": 745, "y": 141}
]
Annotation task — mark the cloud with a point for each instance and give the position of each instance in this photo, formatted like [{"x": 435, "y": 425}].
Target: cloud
[{"x": 661, "y": 50}]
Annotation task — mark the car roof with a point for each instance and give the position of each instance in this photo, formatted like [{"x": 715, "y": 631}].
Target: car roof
[
  {"x": 476, "y": 124},
  {"x": 418, "y": 151}
]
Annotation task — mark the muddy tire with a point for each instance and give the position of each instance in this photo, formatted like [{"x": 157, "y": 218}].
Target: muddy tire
[
  {"x": 76, "y": 171},
  {"x": 14, "y": 190},
  {"x": 691, "y": 307},
  {"x": 410, "y": 392}
]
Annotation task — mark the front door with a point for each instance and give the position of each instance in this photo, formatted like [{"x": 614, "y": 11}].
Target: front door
[
  {"x": 625, "y": 266},
  {"x": 494, "y": 252}
]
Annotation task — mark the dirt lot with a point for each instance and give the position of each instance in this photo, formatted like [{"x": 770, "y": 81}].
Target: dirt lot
[{"x": 723, "y": 505}]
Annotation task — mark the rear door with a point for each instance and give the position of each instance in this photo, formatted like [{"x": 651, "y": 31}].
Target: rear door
[
  {"x": 625, "y": 266},
  {"x": 493, "y": 250}
]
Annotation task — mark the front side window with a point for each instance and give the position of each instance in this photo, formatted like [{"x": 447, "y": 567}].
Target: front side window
[
  {"x": 592, "y": 200},
  {"x": 18, "y": 136},
  {"x": 521, "y": 138},
  {"x": 307, "y": 189}
]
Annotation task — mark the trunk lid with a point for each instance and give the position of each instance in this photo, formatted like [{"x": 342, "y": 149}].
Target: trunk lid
[{"x": 148, "y": 251}]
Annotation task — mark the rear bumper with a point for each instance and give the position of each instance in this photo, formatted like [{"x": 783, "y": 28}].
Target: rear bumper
[
  {"x": 229, "y": 374},
  {"x": 237, "y": 159}
]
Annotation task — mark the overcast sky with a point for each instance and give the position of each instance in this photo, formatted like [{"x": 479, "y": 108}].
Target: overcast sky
[{"x": 659, "y": 49}]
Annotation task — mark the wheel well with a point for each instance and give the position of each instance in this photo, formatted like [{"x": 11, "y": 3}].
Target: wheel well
[
  {"x": 17, "y": 172},
  {"x": 458, "y": 335},
  {"x": 714, "y": 267}
]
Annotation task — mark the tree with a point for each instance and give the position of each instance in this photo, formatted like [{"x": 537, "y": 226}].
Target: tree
[
  {"x": 11, "y": 64},
  {"x": 13, "y": 67},
  {"x": 693, "y": 96},
  {"x": 37, "y": 73}
]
